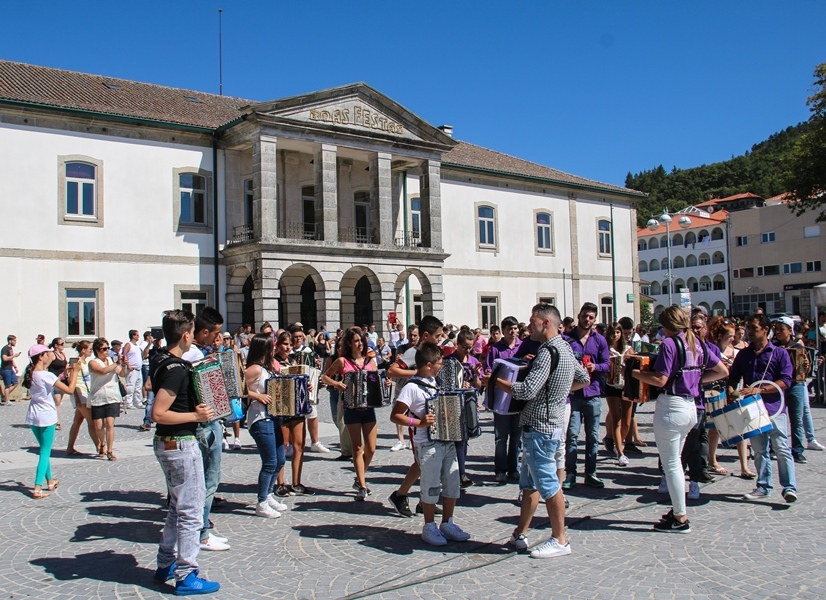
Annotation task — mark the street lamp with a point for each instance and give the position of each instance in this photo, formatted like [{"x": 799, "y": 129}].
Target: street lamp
[{"x": 653, "y": 224}]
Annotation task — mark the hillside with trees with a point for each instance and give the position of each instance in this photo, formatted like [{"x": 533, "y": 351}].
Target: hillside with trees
[{"x": 763, "y": 170}]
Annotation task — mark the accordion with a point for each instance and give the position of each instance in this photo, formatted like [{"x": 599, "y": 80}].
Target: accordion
[
  {"x": 232, "y": 373},
  {"x": 634, "y": 389},
  {"x": 799, "y": 358},
  {"x": 363, "y": 390},
  {"x": 447, "y": 409},
  {"x": 616, "y": 376},
  {"x": 211, "y": 387},
  {"x": 313, "y": 375},
  {"x": 288, "y": 396},
  {"x": 452, "y": 375},
  {"x": 508, "y": 369}
]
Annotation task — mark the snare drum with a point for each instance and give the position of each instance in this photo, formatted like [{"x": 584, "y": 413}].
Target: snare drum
[
  {"x": 744, "y": 418},
  {"x": 715, "y": 400}
]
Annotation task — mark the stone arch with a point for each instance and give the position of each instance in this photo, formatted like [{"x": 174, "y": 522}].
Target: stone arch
[
  {"x": 655, "y": 288},
  {"x": 654, "y": 265},
  {"x": 705, "y": 283},
  {"x": 678, "y": 284},
  {"x": 240, "y": 304},
  {"x": 718, "y": 309},
  {"x": 719, "y": 282},
  {"x": 717, "y": 234},
  {"x": 664, "y": 241},
  {"x": 677, "y": 239},
  {"x": 706, "y": 306},
  {"x": 693, "y": 285},
  {"x": 653, "y": 244},
  {"x": 679, "y": 263},
  {"x": 659, "y": 308},
  {"x": 360, "y": 297},
  {"x": 690, "y": 238},
  {"x": 643, "y": 266},
  {"x": 642, "y": 245},
  {"x": 702, "y": 235},
  {"x": 718, "y": 258},
  {"x": 690, "y": 261},
  {"x": 296, "y": 303},
  {"x": 422, "y": 306},
  {"x": 705, "y": 259}
]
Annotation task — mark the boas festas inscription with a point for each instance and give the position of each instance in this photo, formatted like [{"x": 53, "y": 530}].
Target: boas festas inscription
[{"x": 358, "y": 115}]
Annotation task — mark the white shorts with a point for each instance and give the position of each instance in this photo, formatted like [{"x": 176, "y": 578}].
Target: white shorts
[
  {"x": 559, "y": 455},
  {"x": 440, "y": 470}
]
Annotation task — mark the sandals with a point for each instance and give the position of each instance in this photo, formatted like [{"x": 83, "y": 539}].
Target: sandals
[
  {"x": 101, "y": 451},
  {"x": 58, "y": 426},
  {"x": 54, "y": 486},
  {"x": 747, "y": 475},
  {"x": 111, "y": 456},
  {"x": 718, "y": 470},
  {"x": 39, "y": 494}
]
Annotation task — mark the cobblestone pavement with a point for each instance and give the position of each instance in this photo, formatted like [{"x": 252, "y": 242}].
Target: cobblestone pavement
[{"x": 97, "y": 535}]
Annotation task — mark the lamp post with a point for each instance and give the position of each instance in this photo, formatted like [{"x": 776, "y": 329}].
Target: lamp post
[{"x": 653, "y": 224}]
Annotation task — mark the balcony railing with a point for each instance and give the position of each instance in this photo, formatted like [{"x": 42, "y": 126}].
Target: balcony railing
[
  {"x": 240, "y": 234},
  {"x": 356, "y": 235},
  {"x": 408, "y": 240},
  {"x": 298, "y": 231}
]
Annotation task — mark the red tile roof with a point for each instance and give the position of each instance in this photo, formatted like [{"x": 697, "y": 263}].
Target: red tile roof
[
  {"x": 715, "y": 219},
  {"x": 734, "y": 198}
]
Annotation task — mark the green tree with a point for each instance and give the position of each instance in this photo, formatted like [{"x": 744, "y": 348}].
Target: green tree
[
  {"x": 806, "y": 177},
  {"x": 646, "y": 316}
]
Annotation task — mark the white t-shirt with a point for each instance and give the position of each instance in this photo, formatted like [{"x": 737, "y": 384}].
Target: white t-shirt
[
  {"x": 373, "y": 336},
  {"x": 142, "y": 346},
  {"x": 415, "y": 398},
  {"x": 194, "y": 353},
  {"x": 42, "y": 411}
]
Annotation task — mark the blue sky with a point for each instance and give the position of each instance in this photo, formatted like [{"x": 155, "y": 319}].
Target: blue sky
[{"x": 593, "y": 88}]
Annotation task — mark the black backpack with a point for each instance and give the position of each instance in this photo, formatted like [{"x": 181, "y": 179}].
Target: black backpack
[{"x": 668, "y": 388}]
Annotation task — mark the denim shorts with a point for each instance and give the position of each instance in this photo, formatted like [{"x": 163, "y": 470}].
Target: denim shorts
[
  {"x": 538, "y": 463},
  {"x": 440, "y": 470},
  {"x": 106, "y": 411},
  {"x": 359, "y": 416},
  {"x": 9, "y": 377}
]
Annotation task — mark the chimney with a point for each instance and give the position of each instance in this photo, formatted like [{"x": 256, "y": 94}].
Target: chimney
[{"x": 447, "y": 130}]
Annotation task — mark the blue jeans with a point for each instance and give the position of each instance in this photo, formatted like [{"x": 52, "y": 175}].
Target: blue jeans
[
  {"x": 147, "y": 413},
  {"x": 210, "y": 436},
  {"x": 183, "y": 468},
  {"x": 334, "y": 404},
  {"x": 797, "y": 397},
  {"x": 779, "y": 440},
  {"x": 583, "y": 409},
  {"x": 270, "y": 442},
  {"x": 808, "y": 423},
  {"x": 538, "y": 463},
  {"x": 506, "y": 435}
]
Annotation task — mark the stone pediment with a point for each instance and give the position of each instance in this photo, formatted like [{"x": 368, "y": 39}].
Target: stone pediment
[{"x": 356, "y": 108}]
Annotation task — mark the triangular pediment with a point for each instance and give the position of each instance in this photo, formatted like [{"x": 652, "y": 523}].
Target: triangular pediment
[{"x": 355, "y": 108}]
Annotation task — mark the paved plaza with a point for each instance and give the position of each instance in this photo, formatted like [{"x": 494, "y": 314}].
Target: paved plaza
[{"x": 97, "y": 535}]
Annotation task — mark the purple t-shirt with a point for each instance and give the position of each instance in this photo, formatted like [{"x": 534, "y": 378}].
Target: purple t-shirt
[
  {"x": 469, "y": 368},
  {"x": 500, "y": 350},
  {"x": 597, "y": 348},
  {"x": 528, "y": 346},
  {"x": 773, "y": 361},
  {"x": 688, "y": 383}
]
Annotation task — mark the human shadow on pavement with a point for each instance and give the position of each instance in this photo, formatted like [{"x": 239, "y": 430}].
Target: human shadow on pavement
[
  {"x": 346, "y": 505},
  {"x": 140, "y": 532},
  {"x": 121, "y": 511},
  {"x": 738, "y": 499},
  {"x": 15, "y": 486},
  {"x": 128, "y": 496},
  {"x": 98, "y": 566},
  {"x": 615, "y": 524},
  {"x": 394, "y": 541}
]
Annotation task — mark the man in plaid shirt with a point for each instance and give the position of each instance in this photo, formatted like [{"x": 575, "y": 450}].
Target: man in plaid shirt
[{"x": 546, "y": 389}]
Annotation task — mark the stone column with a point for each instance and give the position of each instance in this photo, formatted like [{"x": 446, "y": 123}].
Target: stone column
[
  {"x": 265, "y": 188},
  {"x": 431, "y": 198},
  {"x": 635, "y": 265},
  {"x": 381, "y": 198},
  {"x": 266, "y": 294},
  {"x": 326, "y": 193},
  {"x": 572, "y": 229}
]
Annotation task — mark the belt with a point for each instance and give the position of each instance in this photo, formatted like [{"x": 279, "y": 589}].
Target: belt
[{"x": 173, "y": 438}]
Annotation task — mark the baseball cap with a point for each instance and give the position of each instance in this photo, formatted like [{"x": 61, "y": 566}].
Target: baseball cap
[
  {"x": 786, "y": 321},
  {"x": 38, "y": 349},
  {"x": 40, "y": 336},
  {"x": 298, "y": 324}
]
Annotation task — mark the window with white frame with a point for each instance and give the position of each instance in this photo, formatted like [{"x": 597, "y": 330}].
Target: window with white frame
[
  {"x": 544, "y": 232},
  {"x": 768, "y": 270},
  {"x": 791, "y": 268},
  {"x": 416, "y": 219},
  {"x": 767, "y": 238},
  {"x": 810, "y": 232},
  {"x": 193, "y": 199},
  {"x": 362, "y": 217},
  {"x": 489, "y": 307},
  {"x": 486, "y": 217},
  {"x": 81, "y": 312},
  {"x": 604, "y": 234},
  {"x": 546, "y": 300},
  {"x": 80, "y": 190},
  {"x": 607, "y": 309},
  {"x": 194, "y": 301},
  {"x": 742, "y": 240},
  {"x": 813, "y": 266}
]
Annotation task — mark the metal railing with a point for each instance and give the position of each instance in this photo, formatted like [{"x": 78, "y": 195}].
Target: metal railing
[
  {"x": 408, "y": 240},
  {"x": 242, "y": 233},
  {"x": 356, "y": 235},
  {"x": 298, "y": 231}
]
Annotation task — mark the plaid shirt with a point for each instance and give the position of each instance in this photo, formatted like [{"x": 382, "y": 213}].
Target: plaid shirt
[{"x": 546, "y": 391}]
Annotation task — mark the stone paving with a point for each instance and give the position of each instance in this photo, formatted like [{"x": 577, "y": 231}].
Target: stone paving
[{"x": 97, "y": 535}]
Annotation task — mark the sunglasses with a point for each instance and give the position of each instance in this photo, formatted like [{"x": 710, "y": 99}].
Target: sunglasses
[{"x": 104, "y": 348}]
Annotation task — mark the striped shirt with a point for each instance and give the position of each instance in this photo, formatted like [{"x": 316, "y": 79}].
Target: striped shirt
[{"x": 546, "y": 391}]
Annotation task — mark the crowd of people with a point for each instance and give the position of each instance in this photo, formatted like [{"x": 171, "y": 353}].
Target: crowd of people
[{"x": 572, "y": 364}]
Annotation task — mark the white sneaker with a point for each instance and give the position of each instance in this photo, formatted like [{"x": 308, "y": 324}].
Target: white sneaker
[
  {"x": 263, "y": 509},
  {"x": 815, "y": 445},
  {"x": 237, "y": 444},
  {"x": 225, "y": 445},
  {"x": 319, "y": 447},
  {"x": 623, "y": 461},
  {"x": 399, "y": 445},
  {"x": 407, "y": 445},
  {"x": 550, "y": 549},
  {"x": 218, "y": 538},
  {"x": 273, "y": 501},
  {"x": 520, "y": 542},
  {"x": 213, "y": 544},
  {"x": 431, "y": 535},
  {"x": 663, "y": 489},
  {"x": 453, "y": 532},
  {"x": 756, "y": 494},
  {"x": 693, "y": 491},
  {"x": 288, "y": 451}
]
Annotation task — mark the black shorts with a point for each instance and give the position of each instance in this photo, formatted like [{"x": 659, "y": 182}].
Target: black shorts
[
  {"x": 359, "y": 416},
  {"x": 107, "y": 410}
]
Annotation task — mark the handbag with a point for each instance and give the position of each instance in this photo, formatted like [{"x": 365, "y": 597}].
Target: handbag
[{"x": 121, "y": 388}]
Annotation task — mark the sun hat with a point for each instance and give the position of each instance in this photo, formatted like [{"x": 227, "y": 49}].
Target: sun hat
[{"x": 38, "y": 349}]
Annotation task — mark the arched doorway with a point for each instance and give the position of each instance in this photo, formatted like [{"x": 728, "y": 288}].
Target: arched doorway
[
  {"x": 309, "y": 307},
  {"x": 413, "y": 296},
  {"x": 247, "y": 304},
  {"x": 363, "y": 308}
]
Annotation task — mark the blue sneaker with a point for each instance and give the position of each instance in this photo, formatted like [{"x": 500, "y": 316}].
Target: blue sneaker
[
  {"x": 194, "y": 585},
  {"x": 164, "y": 574}
]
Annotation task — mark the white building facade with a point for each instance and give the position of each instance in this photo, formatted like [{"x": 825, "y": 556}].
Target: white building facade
[{"x": 122, "y": 199}]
